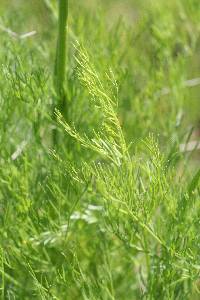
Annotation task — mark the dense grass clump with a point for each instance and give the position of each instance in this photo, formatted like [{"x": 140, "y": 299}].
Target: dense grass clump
[{"x": 109, "y": 207}]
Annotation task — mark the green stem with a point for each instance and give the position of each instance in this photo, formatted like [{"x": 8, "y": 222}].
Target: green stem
[
  {"x": 60, "y": 64},
  {"x": 60, "y": 60}
]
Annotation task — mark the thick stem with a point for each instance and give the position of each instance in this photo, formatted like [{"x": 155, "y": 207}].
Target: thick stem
[
  {"x": 60, "y": 63},
  {"x": 60, "y": 60}
]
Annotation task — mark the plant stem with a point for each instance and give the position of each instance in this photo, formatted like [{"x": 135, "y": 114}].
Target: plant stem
[
  {"x": 60, "y": 60},
  {"x": 60, "y": 63}
]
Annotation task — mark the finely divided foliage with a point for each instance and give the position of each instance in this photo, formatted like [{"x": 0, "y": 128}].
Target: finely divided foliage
[{"x": 109, "y": 208}]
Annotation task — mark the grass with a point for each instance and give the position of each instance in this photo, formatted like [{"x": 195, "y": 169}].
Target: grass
[{"x": 113, "y": 211}]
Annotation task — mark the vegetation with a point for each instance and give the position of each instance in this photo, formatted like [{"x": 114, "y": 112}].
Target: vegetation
[{"x": 110, "y": 210}]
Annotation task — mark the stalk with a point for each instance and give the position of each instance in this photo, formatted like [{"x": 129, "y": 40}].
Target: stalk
[{"x": 60, "y": 60}]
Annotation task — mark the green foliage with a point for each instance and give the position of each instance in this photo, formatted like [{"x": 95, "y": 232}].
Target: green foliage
[{"x": 113, "y": 211}]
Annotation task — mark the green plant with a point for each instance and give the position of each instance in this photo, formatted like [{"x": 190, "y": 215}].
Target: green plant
[{"x": 113, "y": 212}]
